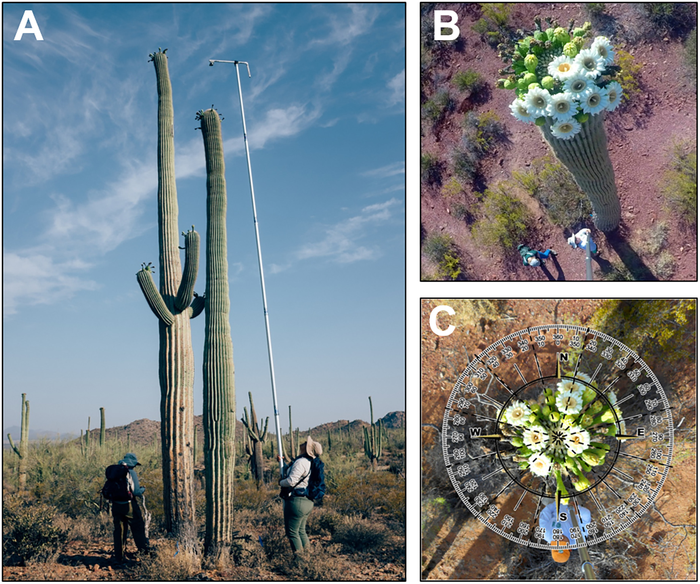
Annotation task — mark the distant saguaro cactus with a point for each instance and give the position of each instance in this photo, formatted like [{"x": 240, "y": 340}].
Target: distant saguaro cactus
[
  {"x": 219, "y": 390},
  {"x": 102, "y": 427},
  {"x": 23, "y": 443},
  {"x": 373, "y": 439},
  {"x": 257, "y": 434},
  {"x": 292, "y": 443},
  {"x": 174, "y": 306}
]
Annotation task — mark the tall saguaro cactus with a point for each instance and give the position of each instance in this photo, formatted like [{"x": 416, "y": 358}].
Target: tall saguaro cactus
[
  {"x": 174, "y": 306},
  {"x": 586, "y": 156},
  {"x": 373, "y": 438},
  {"x": 257, "y": 433},
  {"x": 23, "y": 443},
  {"x": 219, "y": 390}
]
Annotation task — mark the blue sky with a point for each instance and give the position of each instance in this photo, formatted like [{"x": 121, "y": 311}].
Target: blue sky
[{"x": 326, "y": 127}]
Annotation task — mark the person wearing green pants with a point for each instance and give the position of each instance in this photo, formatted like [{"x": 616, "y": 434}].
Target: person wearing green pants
[{"x": 298, "y": 507}]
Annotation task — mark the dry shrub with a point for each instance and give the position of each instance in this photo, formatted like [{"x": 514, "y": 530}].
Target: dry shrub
[
  {"x": 29, "y": 534},
  {"x": 324, "y": 522},
  {"x": 369, "y": 493},
  {"x": 168, "y": 562},
  {"x": 360, "y": 534}
]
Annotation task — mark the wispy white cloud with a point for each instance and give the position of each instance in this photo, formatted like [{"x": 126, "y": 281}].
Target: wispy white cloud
[
  {"x": 342, "y": 242},
  {"x": 35, "y": 277},
  {"x": 397, "y": 89},
  {"x": 397, "y": 168}
]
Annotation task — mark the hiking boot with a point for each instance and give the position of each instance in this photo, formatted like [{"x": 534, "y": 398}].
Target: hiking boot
[{"x": 552, "y": 252}]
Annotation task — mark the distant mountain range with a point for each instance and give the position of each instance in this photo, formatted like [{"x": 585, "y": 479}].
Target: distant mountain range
[{"x": 145, "y": 431}]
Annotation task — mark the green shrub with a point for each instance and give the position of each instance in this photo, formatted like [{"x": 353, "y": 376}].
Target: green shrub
[
  {"x": 672, "y": 18},
  {"x": 506, "y": 219},
  {"x": 629, "y": 76},
  {"x": 493, "y": 25},
  {"x": 462, "y": 212},
  {"x": 690, "y": 53},
  {"x": 450, "y": 267},
  {"x": 28, "y": 532},
  {"x": 481, "y": 132},
  {"x": 430, "y": 168},
  {"x": 552, "y": 185},
  {"x": 369, "y": 494},
  {"x": 595, "y": 8},
  {"x": 665, "y": 266},
  {"x": 469, "y": 81},
  {"x": 655, "y": 239},
  {"x": 437, "y": 246},
  {"x": 680, "y": 184},
  {"x": 451, "y": 188},
  {"x": 436, "y": 109}
]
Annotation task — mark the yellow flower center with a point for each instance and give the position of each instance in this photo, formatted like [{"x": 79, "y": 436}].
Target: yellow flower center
[{"x": 564, "y": 67}]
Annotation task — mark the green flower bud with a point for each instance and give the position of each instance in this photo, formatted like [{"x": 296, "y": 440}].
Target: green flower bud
[
  {"x": 531, "y": 63},
  {"x": 597, "y": 406},
  {"x": 532, "y": 418},
  {"x": 548, "y": 82},
  {"x": 591, "y": 457},
  {"x": 533, "y": 86},
  {"x": 586, "y": 420},
  {"x": 535, "y": 407},
  {"x": 561, "y": 35},
  {"x": 570, "y": 418},
  {"x": 522, "y": 83},
  {"x": 516, "y": 441},
  {"x": 582, "y": 117},
  {"x": 588, "y": 393},
  {"x": 554, "y": 416},
  {"x": 524, "y": 465},
  {"x": 501, "y": 83},
  {"x": 607, "y": 416},
  {"x": 570, "y": 50},
  {"x": 530, "y": 78},
  {"x": 508, "y": 84},
  {"x": 550, "y": 34},
  {"x": 524, "y": 46},
  {"x": 545, "y": 408},
  {"x": 582, "y": 483},
  {"x": 578, "y": 41},
  {"x": 541, "y": 35},
  {"x": 578, "y": 32},
  {"x": 600, "y": 446}
]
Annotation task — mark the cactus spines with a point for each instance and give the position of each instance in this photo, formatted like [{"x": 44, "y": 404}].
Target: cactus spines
[
  {"x": 257, "y": 434},
  {"x": 219, "y": 390},
  {"x": 373, "y": 439},
  {"x": 171, "y": 304},
  {"x": 21, "y": 452},
  {"x": 102, "y": 427},
  {"x": 586, "y": 157}
]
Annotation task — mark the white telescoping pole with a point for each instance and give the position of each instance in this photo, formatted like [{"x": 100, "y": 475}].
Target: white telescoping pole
[{"x": 260, "y": 262}]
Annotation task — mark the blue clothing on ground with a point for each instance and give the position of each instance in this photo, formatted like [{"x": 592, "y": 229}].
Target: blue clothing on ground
[{"x": 548, "y": 520}]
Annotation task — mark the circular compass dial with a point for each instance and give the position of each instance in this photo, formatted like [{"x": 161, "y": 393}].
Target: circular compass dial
[{"x": 558, "y": 434}]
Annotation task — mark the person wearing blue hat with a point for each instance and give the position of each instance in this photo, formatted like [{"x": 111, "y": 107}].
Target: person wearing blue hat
[{"x": 129, "y": 513}]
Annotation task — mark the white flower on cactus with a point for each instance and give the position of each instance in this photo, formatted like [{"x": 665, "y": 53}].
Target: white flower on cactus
[
  {"x": 590, "y": 63},
  {"x": 540, "y": 464},
  {"x": 577, "y": 85},
  {"x": 517, "y": 414},
  {"x": 535, "y": 437},
  {"x": 563, "y": 67},
  {"x": 603, "y": 47},
  {"x": 577, "y": 439},
  {"x": 536, "y": 101},
  {"x": 566, "y": 129},
  {"x": 520, "y": 111},
  {"x": 569, "y": 402},
  {"x": 614, "y": 90},
  {"x": 562, "y": 106},
  {"x": 571, "y": 386},
  {"x": 595, "y": 100}
]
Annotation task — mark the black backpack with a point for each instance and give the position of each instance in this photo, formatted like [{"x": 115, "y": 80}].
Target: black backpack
[
  {"x": 117, "y": 486},
  {"x": 317, "y": 481}
]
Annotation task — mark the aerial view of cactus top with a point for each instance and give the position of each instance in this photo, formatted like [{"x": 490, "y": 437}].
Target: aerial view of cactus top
[{"x": 536, "y": 123}]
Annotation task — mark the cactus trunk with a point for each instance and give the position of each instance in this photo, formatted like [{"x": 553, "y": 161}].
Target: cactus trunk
[
  {"x": 219, "y": 390},
  {"x": 586, "y": 157},
  {"x": 257, "y": 434},
  {"x": 171, "y": 304},
  {"x": 373, "y": 439}
]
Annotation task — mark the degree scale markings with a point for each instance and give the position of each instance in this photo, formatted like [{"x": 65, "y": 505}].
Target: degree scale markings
[{"x": 611, "y": 364}]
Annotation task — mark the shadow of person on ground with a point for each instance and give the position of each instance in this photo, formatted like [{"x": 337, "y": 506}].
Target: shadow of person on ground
[{"x": 557, "y": 265}]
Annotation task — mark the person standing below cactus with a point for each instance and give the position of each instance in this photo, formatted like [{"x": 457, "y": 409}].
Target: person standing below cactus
[
  {"x": 130, "y": 513},
  {"x": 532, "y": 257},
  {"x": 297, "y": 506},
  {"x": 581, "y": 238}
]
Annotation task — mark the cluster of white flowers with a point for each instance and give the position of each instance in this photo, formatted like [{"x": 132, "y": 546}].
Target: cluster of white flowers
[{"x": 581, "y": 91}]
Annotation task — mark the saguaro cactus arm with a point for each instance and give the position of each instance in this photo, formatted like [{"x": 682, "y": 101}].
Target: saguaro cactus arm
[
  {"x": 12, "y": 444},
  {"x": 153, "y": 297},
  {"x": 189, "y": 275}
]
